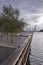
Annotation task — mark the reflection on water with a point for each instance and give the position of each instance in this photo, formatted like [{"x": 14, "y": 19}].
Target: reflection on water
[{"x": 36, "y": 56}]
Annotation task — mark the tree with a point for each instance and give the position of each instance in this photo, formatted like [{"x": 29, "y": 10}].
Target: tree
[
  {"x": 10, "y": 21},
  {"x": 1, "y": 26},
  {"x": 17, "y": 13}
]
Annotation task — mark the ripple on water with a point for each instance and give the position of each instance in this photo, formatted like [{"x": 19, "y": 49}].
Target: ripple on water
[{"x": 36, "y": 56}]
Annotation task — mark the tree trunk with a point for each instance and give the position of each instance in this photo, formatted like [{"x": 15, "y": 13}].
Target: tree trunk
[
  {"x": 11, "y": 37},
  {"x": 16, "y": 37},
  {"x": 1, "y": 34},
  {"x": 7, "y": 36}
]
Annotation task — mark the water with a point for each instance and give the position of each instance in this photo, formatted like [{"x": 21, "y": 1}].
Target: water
[{"x": 36, "y": 53}]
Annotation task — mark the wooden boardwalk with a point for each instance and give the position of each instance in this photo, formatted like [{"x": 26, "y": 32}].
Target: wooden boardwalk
[{"x": 19, "y": 44}]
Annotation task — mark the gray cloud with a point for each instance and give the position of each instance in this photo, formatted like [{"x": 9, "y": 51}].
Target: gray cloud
[{"x": 31, "y": 10}]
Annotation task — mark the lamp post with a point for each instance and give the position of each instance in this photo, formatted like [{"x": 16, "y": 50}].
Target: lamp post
[{"x": 35, "y": 28}]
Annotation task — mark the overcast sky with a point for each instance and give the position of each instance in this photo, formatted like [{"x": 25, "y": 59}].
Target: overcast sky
[{"x": 31, "y": 10}]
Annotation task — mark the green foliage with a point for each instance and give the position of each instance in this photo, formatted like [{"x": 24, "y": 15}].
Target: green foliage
[{"x": 9, "y": 20}]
